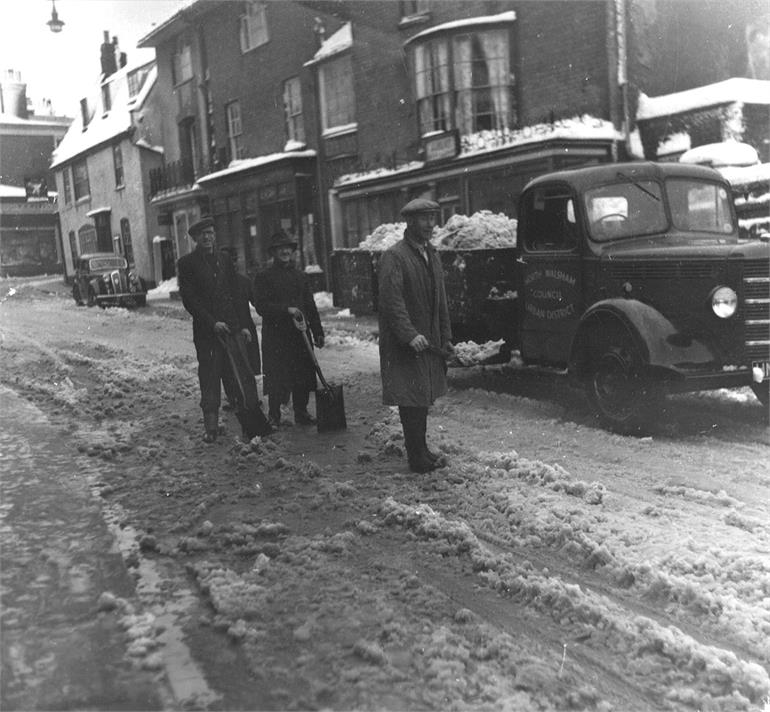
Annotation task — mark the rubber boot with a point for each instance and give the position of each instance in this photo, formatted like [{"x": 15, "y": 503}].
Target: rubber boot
[
  {"x": 411, "y": 422},
  {"x": 210, "y": 426}
]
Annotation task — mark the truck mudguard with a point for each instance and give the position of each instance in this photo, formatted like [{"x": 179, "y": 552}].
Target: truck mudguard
[{"x": 660, "y": 343}]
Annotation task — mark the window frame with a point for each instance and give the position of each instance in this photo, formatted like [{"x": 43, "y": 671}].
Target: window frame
[
  {"x": 292, "y": 105},
  {"x": 181, "y": 62},
  {"x": 462, "y": 109},
  {"x": 253, "y": 29},
  {"x": 234, "y": 125},
  {"x": 79, "y": 181},
  {"x": 117, "y": 163},
  {"x": 67, "y": 185},
  {"x": 344, "y": 61}
]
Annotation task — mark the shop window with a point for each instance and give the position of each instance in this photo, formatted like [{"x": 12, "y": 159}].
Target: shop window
[
  {"x": 125, "y": 236},
  {"x": 235, "y": 129},
  {"x": 497, "y": 191},
  {"x": 254, "y": 25},
  {"x": 292, "y": 106},
  {"x": 87, "y": 239},
  {"x": 464, "y": 81},
  {"x": 67, "y": 185},
  {"x": 80, "y": 180},
  {"x": 117, "y": 160},
  {"x": 337, "y": 99},
  {"x": 181, "y": 62}
]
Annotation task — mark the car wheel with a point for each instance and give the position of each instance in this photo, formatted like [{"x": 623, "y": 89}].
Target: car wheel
[
  {"x": 76, "y": 295},
  {"x": 91, "y": 297},
  {"x": 622, "y": 396}
]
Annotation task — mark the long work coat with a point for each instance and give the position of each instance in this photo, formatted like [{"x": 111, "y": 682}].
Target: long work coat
[
  {"x": 286, "y": 363},
  {"x": 208, "y": 287},
  {"x": 412, "y": 301}
]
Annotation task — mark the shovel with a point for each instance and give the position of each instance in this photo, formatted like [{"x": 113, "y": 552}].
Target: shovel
[
  {"x": 329, "y": 402},
  {"x": 248, "y": 411}
]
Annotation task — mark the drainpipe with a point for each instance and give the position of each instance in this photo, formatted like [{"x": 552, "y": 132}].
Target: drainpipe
[{"x": 621, "y": 44}]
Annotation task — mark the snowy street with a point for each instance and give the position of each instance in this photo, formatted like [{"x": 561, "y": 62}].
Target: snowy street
[{"x": 552, "y": 565}]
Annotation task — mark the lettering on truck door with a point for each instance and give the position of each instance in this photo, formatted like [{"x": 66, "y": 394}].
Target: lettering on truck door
[{"x": 550, "y": 275}]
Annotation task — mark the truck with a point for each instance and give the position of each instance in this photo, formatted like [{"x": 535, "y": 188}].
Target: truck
[{"x": 631, "y": 278}]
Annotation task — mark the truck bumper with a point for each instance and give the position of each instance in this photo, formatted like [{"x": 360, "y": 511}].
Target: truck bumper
[{"x": 685, "y": 381}]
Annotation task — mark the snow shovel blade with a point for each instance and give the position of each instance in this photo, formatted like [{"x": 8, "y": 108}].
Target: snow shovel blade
[
  {"x": 253, "y": 422},
  {"x": 330, "y": 409}
]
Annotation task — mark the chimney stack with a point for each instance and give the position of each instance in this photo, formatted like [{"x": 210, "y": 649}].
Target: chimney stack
[
  {"x": 109, "y": 65},
  {"x": 13, "y": 94}
]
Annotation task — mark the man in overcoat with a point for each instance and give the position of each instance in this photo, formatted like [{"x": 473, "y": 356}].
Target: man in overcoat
[
  {"x": 208, "y": 288},
  {"x": 415, "y": 335},
  {"x": 280, "y": 293}
]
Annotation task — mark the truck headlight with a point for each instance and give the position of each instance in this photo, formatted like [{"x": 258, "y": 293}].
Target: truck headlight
[{"x": 724, "y": 302}]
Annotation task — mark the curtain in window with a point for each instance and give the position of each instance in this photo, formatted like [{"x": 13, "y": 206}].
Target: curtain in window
[
  {"x": 463, "y": 74},
  {"x": 495, "y": 47}
]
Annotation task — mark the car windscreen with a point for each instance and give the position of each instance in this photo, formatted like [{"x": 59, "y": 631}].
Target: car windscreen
[
  {"x": 699, "y": 206},
  {"x": 624, "y": 209},
  {"x": 101, "y": 264}
]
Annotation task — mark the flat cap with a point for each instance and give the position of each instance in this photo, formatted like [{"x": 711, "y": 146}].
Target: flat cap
[
  {"x": 420, "y": 205},
  {"x": 198, "y": 227},
  {"x": 280, "y": 239}
]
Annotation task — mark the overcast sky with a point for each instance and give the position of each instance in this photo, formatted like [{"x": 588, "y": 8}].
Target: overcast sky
[{"x": 65, "y": 67}]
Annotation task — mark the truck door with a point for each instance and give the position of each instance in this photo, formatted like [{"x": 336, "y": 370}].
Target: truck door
[{"x": 550, "y": 276}]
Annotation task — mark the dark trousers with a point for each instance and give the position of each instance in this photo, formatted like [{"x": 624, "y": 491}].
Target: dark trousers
[
  {"x": 414, "y": 421},
  {"x": 300, "y": 397},
  {"x": 213, "y": 370}
]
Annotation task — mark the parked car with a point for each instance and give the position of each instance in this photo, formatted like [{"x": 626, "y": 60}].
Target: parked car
[{"x": 105, "y": 279}]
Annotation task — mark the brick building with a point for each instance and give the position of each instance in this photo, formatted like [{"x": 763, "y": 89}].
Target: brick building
[
  {"x": 30, "y": 242},
  {"x": 324, "y": 117}
]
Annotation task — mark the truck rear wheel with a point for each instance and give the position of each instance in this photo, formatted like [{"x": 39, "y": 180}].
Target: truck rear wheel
[{"x": 622, "y": 396}]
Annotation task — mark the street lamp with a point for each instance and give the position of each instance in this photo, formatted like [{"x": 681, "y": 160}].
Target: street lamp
[{"x": 55, "y": 23}]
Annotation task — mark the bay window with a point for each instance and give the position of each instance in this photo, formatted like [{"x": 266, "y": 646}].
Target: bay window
[
  {"x": 234, "y": 129},
  {"x": 463, "y": 81}
]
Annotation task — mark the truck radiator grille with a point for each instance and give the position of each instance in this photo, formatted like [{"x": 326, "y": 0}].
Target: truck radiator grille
[
  {"x": 663, "y": 270},
  {"x": 756, "y": 292}
]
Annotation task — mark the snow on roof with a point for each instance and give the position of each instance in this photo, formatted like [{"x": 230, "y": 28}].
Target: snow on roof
[
  {"x": 105, "y": 125},
  {"x": 737, "y": 89},
  {"x": 12, "y": 191},
  {"x": 36, "y": 121},
  {"x": 245, "y": 164},
  {"x": 341, "y": 40},
  {"x": 746, "y": 175},
  {"x": 726, "y": 153},
  {"x": 509, "y": 16},
  {"x": 675, "y": 143},
  {"x": 579, "y": 127}
]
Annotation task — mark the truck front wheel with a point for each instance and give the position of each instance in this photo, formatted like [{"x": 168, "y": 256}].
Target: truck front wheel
[{"x": 620, "y": 393}]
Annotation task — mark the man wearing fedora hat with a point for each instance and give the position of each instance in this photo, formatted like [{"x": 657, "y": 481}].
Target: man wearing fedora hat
[
  {"x": 414, "y": 330},
  {"x": 280, "y": 292},
  {"x": 209, "y": 291}
]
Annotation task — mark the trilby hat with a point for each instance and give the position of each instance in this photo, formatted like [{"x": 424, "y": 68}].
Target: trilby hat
[{"x": 420, "y": 205}]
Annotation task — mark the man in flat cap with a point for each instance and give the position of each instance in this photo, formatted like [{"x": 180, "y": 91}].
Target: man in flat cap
[
  {"x": 414, "y": 330},
  {"x": 209, "y": 291},
  {"x": 280, "y": 293}
]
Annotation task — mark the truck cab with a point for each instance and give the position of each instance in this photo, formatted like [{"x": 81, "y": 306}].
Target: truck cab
[{"x": 633, "y": 278}]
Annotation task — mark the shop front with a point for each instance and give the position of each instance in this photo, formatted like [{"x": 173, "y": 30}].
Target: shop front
[
  {"x": 254, "y": 198},
  {"x": 490, "y": 179}
]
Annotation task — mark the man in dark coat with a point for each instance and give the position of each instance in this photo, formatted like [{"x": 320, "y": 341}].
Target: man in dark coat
[
  {"x": 414, "y": 330},
  {"x": 208, "y": 288},
  {"x": 280, "y": 293},
  {"x": 245, "y": 298}
]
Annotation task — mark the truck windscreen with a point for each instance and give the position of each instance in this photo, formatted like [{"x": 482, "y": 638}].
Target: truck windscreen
[
  {"x": 622, "y": 210},
  {"x": 698, "y": 206}
]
